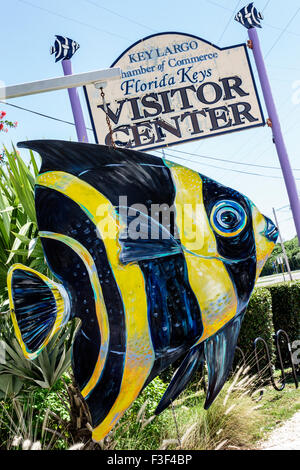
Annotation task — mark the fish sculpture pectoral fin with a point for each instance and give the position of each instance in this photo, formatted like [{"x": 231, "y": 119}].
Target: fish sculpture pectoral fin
[
  {"x": 219, "y": 353},
  {"x": 144, "y": 238},
  {"x": 182, "y": 377},
  {"x": 39, "y": 308}
]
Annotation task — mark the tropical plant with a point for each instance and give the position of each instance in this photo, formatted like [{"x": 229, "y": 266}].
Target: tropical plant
[
  {"x": 34, "y": 419},
  {"x": 19, "y": 241},
  {"x": 44, "y": 371}
]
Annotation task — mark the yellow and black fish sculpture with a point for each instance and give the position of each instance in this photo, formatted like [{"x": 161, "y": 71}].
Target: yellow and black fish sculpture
[{"x": 156, "y": 260}]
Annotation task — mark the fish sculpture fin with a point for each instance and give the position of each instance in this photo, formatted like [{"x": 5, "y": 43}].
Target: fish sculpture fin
[
  {"x": 79, "y": 158},
  {"x": 182, "y": 377},
  {"x": 151, "y": 240},
  {"x": 39, "y": 308},
  {"x": 219, "y": 353}
]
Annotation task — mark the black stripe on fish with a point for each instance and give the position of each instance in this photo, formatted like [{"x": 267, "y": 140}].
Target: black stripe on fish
[
  {"x": 67, "y": 266},
  {"x": 173, "y": 310}
]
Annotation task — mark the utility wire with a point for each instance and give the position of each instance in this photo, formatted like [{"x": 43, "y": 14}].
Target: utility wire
[
  {"x": 41, "y": 114},
  {"x": 266, "y": 24},
  {"x": 173, "y": 150},
  {"x": 81, "y": 23},
  {"x": 282, "y": 32},
  {"x": 120, "y": 16},
  {"x": 229, "y": 21},
  {"x": 266, "y": 5},
  {"x": 229, "y": 161},
  {"x": 226, "y": 169}
]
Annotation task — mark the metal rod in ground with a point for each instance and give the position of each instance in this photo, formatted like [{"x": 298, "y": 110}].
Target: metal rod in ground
[
  {"x": 282, "y": 247},
  {"x": 176, "y": 425},
  {"x": 75, "y": 104},
  {"x": 288, "y": 176}
]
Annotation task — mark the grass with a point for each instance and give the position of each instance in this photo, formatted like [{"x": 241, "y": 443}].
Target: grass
[
  {"x": 238, "y": 419},
  {"x": 33, "y": 417},
  {"x": 277, "y": 407},
  {"x": 230, "y": 423}
]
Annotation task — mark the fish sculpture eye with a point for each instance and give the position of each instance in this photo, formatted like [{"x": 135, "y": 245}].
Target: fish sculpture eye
[{"x": 228, "y": 218}]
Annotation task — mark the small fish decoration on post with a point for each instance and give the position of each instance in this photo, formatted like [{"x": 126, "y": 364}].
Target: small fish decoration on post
[
  {"x": 249, "y": 16},
  {"x": 156, "y": 260},
  {"x": 64, "y": 48}
]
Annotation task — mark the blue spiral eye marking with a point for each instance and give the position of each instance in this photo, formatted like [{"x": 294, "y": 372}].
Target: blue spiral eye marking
[{"x": 228, "y": 218}]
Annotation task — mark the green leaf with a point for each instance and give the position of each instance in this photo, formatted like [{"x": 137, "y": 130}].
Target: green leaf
[{"x": 17, "y": 243}]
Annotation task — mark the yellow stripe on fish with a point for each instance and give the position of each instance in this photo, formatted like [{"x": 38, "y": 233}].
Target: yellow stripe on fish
[
  {"x": 263, "y": 246},
  {"x": 139, "y": 349},
  {"x": 208, "y": 276}
]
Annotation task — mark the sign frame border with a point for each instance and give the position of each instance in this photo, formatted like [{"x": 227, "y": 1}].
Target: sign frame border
[{"x": 194, "y": 138}]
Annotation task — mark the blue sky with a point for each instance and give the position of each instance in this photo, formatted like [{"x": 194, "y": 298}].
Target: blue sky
[{"x": 105, "y": 29}]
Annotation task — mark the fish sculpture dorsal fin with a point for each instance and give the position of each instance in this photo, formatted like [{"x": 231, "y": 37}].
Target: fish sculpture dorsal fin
[{"x": 143, "y": 178}]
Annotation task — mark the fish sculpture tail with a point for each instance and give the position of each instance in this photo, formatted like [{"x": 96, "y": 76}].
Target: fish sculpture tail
[{"x": 39, "y": 308}]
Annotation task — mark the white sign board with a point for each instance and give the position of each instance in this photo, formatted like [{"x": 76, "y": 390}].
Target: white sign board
[{"x": 176, "y": 88}]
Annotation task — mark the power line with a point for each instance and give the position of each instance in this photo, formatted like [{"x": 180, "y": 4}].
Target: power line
[
  {"x": 266, "y": 5},
  {"x": 81, "y": 23},
  {"x": 228, "y": 22},
  {"x": 41, "y": 114},
  {"x": 226, "y": 169},
  {"x": 120, "y": 16},
  {"x": 173, "y": 150},
  {"x": 230, "y": 161},
  {"x": 265, "y": 23},
  {"x": 282, "y": 33}
]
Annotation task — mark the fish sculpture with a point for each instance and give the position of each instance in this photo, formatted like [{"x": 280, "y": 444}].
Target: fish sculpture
[
  {"x": 249, "y": 16},
  {"x": 156, "y": 260},
  {"x": 64, "y": 48}
]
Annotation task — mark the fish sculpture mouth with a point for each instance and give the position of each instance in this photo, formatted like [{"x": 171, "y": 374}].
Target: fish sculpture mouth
[{"x": 144, "y": 302}]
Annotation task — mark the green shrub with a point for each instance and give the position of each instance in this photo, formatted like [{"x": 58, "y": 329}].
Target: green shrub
[
  {"x": 35, "y": 415},
  {"x": 286, "y": 310},
  {"x": 257, "y": 322}
]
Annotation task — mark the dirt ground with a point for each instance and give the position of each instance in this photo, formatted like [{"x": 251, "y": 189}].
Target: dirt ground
[{"x": 286, "y": 437}]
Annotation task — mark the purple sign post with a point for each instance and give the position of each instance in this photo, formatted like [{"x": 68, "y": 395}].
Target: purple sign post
[
  {"x": 64, "y": 48},
  {"x": 250, "y": 18}
]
